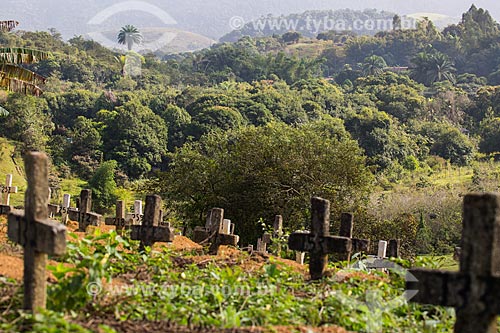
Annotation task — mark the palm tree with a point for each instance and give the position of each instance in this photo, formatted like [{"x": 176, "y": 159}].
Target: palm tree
[
  {"x": 13, "y": 76},
  {"x": 432, "y": 67},
  {"x": 374, "y": 65},
  {"x": 129, "y": 35}
]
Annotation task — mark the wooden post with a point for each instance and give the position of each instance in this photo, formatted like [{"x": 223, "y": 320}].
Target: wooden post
[
  {"x": 474, "y": 291},
  {"x": 32, "y": 230},
  {"x": 119, "y": 219},
  {"x": 150, "y": 231},
  {"x": 319, "y": 242}
]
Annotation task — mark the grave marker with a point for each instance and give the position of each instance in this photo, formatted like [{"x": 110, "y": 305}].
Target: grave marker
[
  {"x": 346, "y": 230},
  {"x": 474, "y": 291},
  {"x": 38, "y": 235},
  {"x": 65, "y": 208},
  {"x": 215, "y": 220},
  {"x": 150, "y": 231},
  {"x": 84, "y": 215},
  {"x": 319, "y": 242},
  {"x": 119, "y": 220},
  {"x": 393, "y": 248},
  {"x": 135, "y": 218},
  {"x": 261, "y": 246},
  {"x": 382, "y": 249},
  {"x": 6, "y": 191}
]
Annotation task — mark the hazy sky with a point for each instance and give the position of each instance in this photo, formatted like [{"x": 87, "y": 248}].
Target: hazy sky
[{"x": 208, "y": 17}]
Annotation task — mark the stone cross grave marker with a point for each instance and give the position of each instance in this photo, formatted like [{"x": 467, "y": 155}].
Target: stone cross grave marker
[
  {"x": 35, "y": 232},
  {"x": 6, "y": 190},
  {"x": 119, "y": 220},
  {"x": 218, "y": 233},
  {"x": 135, "y": 218},
  {"x": 474, "y": 291},
  {"x": 84, "y": 215},
  {"x": 318, "y": 242},
  {"x": 150, "y": 231},
  {"x": 346, "y": 230}
]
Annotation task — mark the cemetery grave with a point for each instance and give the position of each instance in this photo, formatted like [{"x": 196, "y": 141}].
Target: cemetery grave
[{"x": 199, "y": 290}]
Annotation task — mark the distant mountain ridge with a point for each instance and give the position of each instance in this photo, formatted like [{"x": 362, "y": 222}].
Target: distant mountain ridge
[
  {"x": 210, "y": 18},
  {"x": 310, "y": 23}
]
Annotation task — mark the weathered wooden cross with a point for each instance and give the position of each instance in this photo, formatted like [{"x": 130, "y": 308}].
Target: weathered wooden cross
[
  {"x": 150, "y": 231},
  {"x": 84, "y": 215},
  {"x": 318, "y": 242},
  {"x": 35, "y": 232},
  {"x": 220, "y": 232},
  {"x": 6, "y": 190},
  {"x": 119, "y": 220},
  {"x": 474, "y": 291},
  {"x": 346, "y": 230}
]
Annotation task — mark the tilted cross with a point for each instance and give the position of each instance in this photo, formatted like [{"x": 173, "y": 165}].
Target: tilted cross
[
  {"x": 119, "y": 219},
  {"x": 6, "y": 190},
  {"x": 150, "y": 231},
  {"x": 474, "y": 291},
  {"x": 35, "y": 232},
  {"x": 319, "y": 242},
  {"x": 217, "y": 234},
  {"x": 346, "y": 230},
  {"x": 84, "y": 215}
]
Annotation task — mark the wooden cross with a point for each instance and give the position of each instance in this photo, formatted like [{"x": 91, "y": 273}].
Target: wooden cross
[
  {"x": 6, "y": 190},
  {"x": 150, "y": 231},
  {"x": 217, "y": 234},
  {"x": 346, "y": 230},
  {"x": 319, "y": 242},
  {"x": 119, "y": 220},
  {"x": 474, "y": 291},
  {"x": 35, "y": 232},
  {"x": 84, "y": 215}
]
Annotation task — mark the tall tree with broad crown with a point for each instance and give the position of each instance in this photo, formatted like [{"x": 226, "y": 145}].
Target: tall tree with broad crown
[{"x": 129, "y": 35}]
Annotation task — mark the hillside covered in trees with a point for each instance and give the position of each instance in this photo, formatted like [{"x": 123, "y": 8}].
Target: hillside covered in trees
[{"x": 261, "y": 124}]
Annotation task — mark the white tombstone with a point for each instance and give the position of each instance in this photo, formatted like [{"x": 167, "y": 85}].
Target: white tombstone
[
  {"x": 225, "y": 228},
  {"x": 300, "y": 257},
  {"x": 65, "y": 208},
  {"x": 7, "y": 190},
  {"x": 136, "y": 217},
  {"x": 382, "y": 249}
]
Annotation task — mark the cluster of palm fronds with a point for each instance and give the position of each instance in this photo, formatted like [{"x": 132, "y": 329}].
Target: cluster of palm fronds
[
  {"x": 6, "y": 26},
  {"x": 13, "y": 76}
]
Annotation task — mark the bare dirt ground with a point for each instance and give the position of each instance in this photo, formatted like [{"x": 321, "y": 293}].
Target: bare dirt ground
[{"x": 11, "y": 266}]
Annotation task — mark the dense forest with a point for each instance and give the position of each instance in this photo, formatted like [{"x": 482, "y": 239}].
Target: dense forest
[{"x": 258, "y": 125}]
